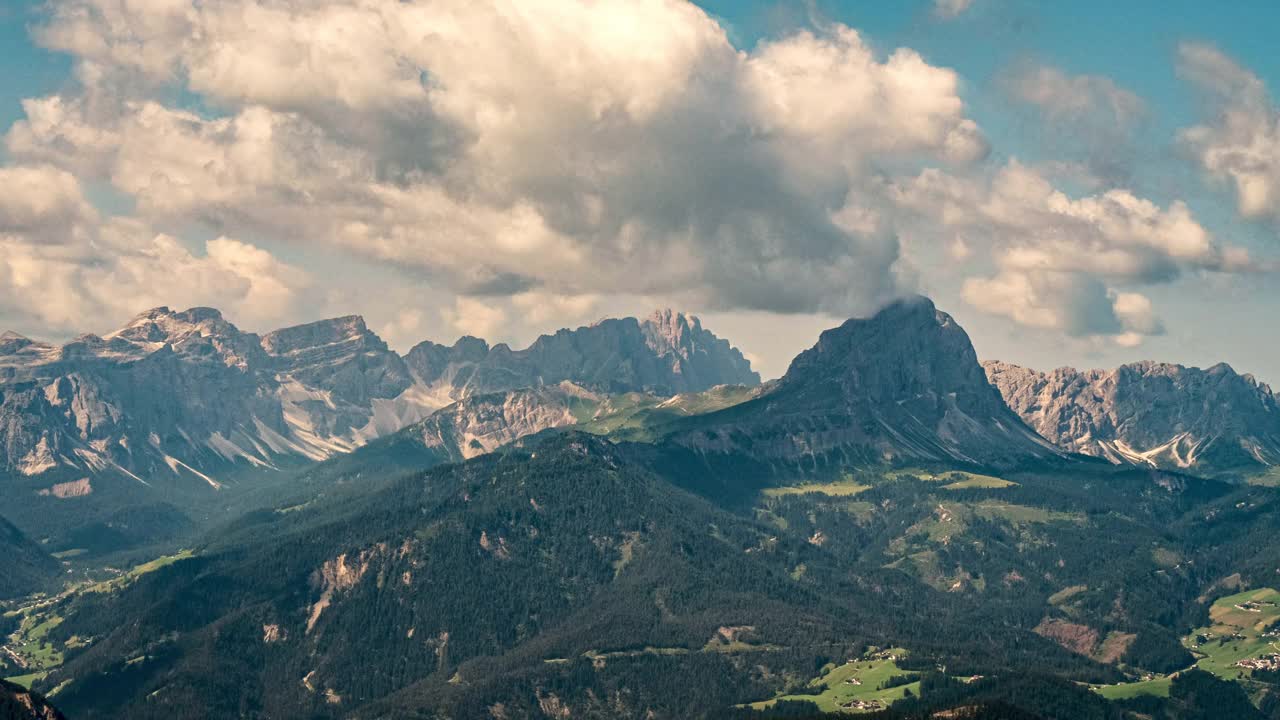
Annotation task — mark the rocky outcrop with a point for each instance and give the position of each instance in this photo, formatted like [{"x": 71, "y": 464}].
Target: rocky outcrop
[
  {"x": 154, "y": 398},
  {"x": 902, "y": 385},
  {"x": 340, "y": 385},
  {"x": 342, "y": 356},
  {"x": 666, "y": 354},
  {"x": 18, "y": 703},
  {"x": 1213, "y": 421},
  {"x": 483, "y": 423},
  {"x": 187, "y": 399}
]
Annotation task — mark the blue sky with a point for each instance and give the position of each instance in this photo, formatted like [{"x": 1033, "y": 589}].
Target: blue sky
[{"x": 1204, "y": 316}]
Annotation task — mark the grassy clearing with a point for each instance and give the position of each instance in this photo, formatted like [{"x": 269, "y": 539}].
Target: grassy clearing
[
  {"x": 1270, "y": 478},
  {"x": 598, "y": 656},
  {"x": 1066, "y": 594},
  {"x": 846, "y": 686},
  {"x": 640, "y": 417},
  {"x": 858, "y": 509},
  {"x": 1244, "y": 627},
  {"x": 979, "y": 481},
  {"x": 953, "y": 479},
  {"x": 738, "y": 646},
  {"x": 26, "y": 680},
  {"x": 68, "y": 554},
  {"x": 846, "y": 487},
  {"x": 1158, "y": 686},
  {"x": 128, "y": 577},
  {"x": 951, "y": 519},
  {"x": 1021, "y": 514},
  {"x": 1241, "y": 629}
]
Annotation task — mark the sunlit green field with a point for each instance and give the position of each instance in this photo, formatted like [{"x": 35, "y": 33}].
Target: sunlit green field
[
  {"x": 859, "y": 680},
  {"x": 846, "y": 487},
  {"x": 1237, "y": 633},
  {"x": 30, "y": 641},
  {"x": 1158, "y": 686}
]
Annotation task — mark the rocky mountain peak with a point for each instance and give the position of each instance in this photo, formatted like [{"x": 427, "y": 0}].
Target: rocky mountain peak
[
  {"x": 161, "y": 326},
  {"x": 469, "y": 348},
  {"x": 344, "y": 358},
  {"x": 1211, "y": 420},
  {"x": 908, "y": 350},
  {"x": 12, "y": 343},
  {"x": 903, "y": 383},
  {"x": 183, "y": 396},
  {"x": 349, "y": 329},
  {"x": 431, "y": 361},
  {"x": 700, "y": 352},
  {"x": 668, "y": 353},
  {"x": 668, "y": 323}
]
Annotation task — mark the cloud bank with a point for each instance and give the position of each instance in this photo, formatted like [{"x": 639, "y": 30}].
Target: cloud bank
[
  {"x": 532, "y": 162},
  {"x": 561, "y": 147}
]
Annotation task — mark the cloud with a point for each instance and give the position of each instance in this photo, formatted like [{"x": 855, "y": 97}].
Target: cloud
[
  {"x": 1240, "y": 145},
  {"x": 1087, "y": 118},
  {"x": 63, "y": 267},
  {"x": 1067, "y": 263},
  {"x": 475, "y": 317},
  {"x": 563, "y": 147},
  {"x": 1062, "y": 96},
  {"x": 950, "y": 9},
  {"x": 1076, "y": 304}
]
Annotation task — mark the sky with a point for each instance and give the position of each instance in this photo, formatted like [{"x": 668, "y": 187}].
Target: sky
[{"x": 1086, "y": 183}]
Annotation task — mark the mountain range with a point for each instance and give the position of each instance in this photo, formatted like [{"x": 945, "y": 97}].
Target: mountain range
[
  {"x": 1214, "y": 421},
  {"x": 190, "y": 393},
  {"x": 876, "y": 527},
  {"x": 903, "y": 386},
  {"x": 134, "y": 437},
  {"x": 160, "y": 415}
]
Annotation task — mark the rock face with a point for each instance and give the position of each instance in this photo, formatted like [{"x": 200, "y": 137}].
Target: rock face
[
  {"x": 667, "y": 354},
  {"x": 18, "y": 703},
  {"x": 904, "y": 385},
  {"x": 1212, "y": 421},
  {"x": 339, "y": 384},
  {"x": 165, "y": 395},
  {"x": 188, "y": 400},
  {"x": 481, "y": 424}
]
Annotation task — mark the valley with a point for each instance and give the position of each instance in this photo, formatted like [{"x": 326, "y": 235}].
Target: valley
[{"x": 28, "y": 654}]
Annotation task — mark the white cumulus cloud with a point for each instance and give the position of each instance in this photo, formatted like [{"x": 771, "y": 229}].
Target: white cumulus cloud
[
  {"x": 1240, "y": 144},
  {"x": 572, "y": 148},
  {"x": 1066, "y": 263},
  {"x": 64, "y": 267}
]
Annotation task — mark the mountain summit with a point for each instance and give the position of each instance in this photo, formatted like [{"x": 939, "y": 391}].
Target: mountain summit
[{"x": 904, "y": 384}]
